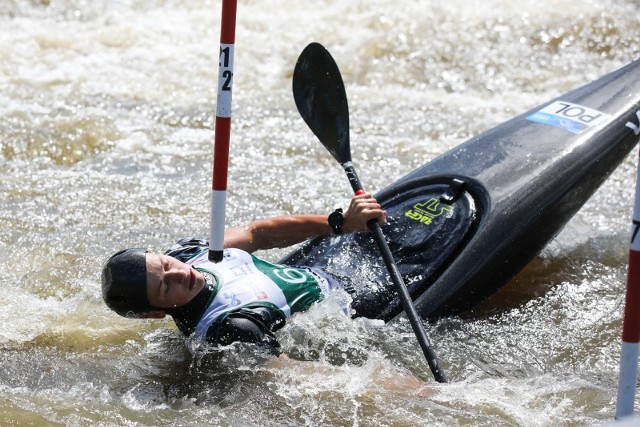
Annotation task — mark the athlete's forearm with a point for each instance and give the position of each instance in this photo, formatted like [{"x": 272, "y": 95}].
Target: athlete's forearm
[
  {"x": 277, "y": 232},
  {"x": 289, "y": 230}
]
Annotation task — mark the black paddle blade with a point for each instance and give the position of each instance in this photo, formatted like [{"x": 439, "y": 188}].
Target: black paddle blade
[{"x": 322, "y": 101}]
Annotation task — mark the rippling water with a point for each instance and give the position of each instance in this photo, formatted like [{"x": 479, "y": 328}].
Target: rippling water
[{"x": 106, "y": 130}]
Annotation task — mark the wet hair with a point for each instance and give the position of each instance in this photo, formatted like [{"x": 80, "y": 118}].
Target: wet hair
[{"x": 124, "y": 283}]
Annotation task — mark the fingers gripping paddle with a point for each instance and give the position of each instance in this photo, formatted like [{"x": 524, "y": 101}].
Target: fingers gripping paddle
[{"x": 322, "y": 102}]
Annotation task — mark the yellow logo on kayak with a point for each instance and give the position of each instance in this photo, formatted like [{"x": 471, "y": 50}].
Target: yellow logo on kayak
[{"x": 425, "y": 212}]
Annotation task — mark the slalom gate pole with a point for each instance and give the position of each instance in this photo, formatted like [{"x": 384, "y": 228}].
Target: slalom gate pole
[
  {"x": 631, "y": 323},
  {"x": 222, "y": 129}
]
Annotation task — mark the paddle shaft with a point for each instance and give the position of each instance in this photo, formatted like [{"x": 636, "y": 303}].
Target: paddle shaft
[
  {"x": 396, "y": 278},
  {"x": 319, "y": 93}
]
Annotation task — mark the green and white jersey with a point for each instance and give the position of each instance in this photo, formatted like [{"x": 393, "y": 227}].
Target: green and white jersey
[{"x": 245, "y": 281}]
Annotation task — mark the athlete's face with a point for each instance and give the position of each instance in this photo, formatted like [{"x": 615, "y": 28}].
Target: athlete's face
[{"x": 170, "y": 282}]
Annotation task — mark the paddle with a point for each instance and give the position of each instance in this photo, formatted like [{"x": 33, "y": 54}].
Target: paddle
[{"x": 322, "y": 102}]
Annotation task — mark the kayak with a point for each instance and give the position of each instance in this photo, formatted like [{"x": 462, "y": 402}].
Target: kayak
[{"x": 463, "y": 225}]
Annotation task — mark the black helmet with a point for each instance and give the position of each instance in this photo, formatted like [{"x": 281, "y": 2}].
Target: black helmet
[{"x": 124, "y": 283}]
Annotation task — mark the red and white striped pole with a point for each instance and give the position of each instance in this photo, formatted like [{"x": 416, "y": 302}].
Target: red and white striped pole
[
  {"x": 222, "y": 129},
  {"x": 631, "y": 323}
]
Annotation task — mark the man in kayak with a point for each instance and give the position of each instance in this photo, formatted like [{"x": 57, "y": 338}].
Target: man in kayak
[{"x": 242, "y": 298}]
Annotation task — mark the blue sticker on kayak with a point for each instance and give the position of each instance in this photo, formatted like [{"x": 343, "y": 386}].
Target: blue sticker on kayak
[{"x": 573, "y": 118}]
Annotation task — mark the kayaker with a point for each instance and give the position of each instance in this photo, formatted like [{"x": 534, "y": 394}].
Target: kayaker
[{"x": 242, "y": 298}]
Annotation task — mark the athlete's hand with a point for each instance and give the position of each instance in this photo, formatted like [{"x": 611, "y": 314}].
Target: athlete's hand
[{"x": 363, "y": 208}]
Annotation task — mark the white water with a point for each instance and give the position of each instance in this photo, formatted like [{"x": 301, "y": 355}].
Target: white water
[{"x": 106, "y": 130}]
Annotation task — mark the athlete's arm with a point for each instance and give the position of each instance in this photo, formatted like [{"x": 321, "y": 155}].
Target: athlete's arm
[
  {"x": 253, "y": 326},
  {"x": 245, "y": 329},
  {"x": 288, "y": 230}
]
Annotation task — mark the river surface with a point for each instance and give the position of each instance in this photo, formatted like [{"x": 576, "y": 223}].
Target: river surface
[{"x": 107, "y": 110}]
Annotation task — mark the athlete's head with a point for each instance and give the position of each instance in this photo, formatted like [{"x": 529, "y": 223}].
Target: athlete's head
[
  {"x": 140, "y": 284},
  {"x": 124, "y": 283}
]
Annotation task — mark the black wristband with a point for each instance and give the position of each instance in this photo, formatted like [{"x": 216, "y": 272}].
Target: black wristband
[{"x": 336, "y": 219}]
